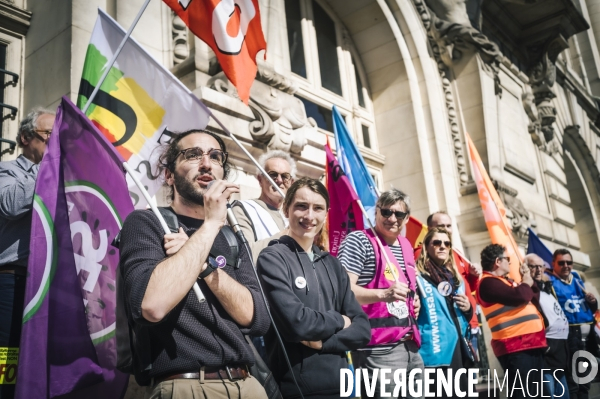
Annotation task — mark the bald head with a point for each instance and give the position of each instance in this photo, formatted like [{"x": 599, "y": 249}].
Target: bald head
[
  {"x": 536, "y": 266},
  {"x": 440, "y": 219}
]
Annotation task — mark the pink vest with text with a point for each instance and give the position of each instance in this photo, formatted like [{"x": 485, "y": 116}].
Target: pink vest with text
[{"x": 386, "y": 328}]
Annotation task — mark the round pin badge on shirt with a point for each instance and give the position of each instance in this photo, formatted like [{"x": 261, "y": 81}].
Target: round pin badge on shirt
[
  {"x": 221, "y": 261},
  {"x": 444, "y": 288},
  {"x": 300, "y": 282}
]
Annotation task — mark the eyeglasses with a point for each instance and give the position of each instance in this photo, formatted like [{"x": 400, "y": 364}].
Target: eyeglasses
[
  {"x": 195, "y": 154},
  {"x": 386, "y": 213},
  {"x": 286, "y": 177},
  {"x": 438, "y": 243},
  {"x": 47, "y": 133},
  {"x": 564, "y": 263},
  {"x": 504, "y": 257},
  {"x": 536, "y": 266}
]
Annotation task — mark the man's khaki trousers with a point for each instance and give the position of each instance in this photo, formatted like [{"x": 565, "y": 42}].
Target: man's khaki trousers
[{"x": 248, "y": 388}]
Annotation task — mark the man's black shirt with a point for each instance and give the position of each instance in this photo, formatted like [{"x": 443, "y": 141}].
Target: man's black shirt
[{"x": 193, "y": 334}]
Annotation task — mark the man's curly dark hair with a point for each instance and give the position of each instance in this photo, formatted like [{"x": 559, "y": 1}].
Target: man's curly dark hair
[{"x": 489, "y": 255}]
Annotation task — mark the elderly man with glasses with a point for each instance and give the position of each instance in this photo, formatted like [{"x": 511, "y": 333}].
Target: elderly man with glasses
[
  {"x": 17, "y": 185},
  {"x": 381, "y": 268},
  {"x": 557, "y": 330},
  {"x": 261, "y": 219},
  {"x": 512, "y": 312},
  {"x": 579, "y": 307}
]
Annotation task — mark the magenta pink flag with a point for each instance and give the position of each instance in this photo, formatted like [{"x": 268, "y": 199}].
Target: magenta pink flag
[{"x": 345, "y": 215}]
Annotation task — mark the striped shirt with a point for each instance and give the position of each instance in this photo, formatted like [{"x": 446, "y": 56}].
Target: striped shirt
[{"x": 357, "y": 256}]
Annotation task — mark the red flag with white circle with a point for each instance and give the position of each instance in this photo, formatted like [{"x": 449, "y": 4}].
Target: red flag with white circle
[{"x": 232, "y": 29}]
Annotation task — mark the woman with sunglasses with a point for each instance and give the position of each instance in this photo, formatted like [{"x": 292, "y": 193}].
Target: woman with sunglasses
[
  {"x": 311, "y": 301},
  {"x": 444, "y": 322}
]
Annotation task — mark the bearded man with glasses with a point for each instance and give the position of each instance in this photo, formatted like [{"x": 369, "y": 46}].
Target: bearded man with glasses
[
  {"x": 185, "y": 348},
  {"x": 579, "y": 307},
  {"x": 261, "y": 219},
  {"x": 385, "y": 290}
]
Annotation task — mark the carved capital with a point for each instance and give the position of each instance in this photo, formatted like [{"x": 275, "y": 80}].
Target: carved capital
[
  {"x": 519, "y": 217},
  {"x": 180, "y": 40},
  {"x": 541, "y": 80},
  {"x": 449, "y": 26},
  {"x": 280, "y": 118},
  {"x": 267, "y": 74}
]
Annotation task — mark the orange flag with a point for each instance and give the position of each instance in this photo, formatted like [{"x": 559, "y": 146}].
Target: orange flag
[
  {"x": 494, "y": 212},
  {"x": 232, "y": 29}
]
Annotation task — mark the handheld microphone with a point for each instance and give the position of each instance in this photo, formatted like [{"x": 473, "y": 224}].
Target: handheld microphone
[{"x": 231, "y": 219}]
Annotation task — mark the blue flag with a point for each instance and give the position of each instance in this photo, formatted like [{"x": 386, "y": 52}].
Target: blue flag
[
  {"x": 536, "y": 246},
  {"x": 354, "y": 165}
]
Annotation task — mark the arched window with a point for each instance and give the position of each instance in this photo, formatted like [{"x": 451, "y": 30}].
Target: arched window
[{"x": 326, "y": 66}]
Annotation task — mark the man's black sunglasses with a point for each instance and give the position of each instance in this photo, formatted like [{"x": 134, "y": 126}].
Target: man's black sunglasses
[
  {"x": 386, "y": 213},
  {"x": 565, "y": 263}
]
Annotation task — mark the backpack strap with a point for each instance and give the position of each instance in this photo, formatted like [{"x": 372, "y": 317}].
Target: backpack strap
[
  {"x": 170, "y": 217},
  {"x": 233, "y": 246}
]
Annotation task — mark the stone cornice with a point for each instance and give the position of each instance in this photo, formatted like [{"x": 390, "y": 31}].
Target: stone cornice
[
  {"x": 566, "y": 78},
  {"x": 14, "y": 19}
]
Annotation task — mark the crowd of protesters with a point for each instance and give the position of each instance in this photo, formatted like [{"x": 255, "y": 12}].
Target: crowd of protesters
[{"x": 387, "y": 305}]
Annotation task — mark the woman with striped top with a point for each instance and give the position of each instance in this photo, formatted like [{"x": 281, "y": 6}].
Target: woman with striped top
[{"x": 382, "y": 274}]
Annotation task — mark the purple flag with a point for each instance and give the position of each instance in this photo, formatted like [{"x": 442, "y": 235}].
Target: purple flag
[{"x": 81, "y": 199}]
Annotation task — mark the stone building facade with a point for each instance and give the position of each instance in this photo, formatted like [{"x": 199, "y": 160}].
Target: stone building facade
[{"x": 410, "y": 77}]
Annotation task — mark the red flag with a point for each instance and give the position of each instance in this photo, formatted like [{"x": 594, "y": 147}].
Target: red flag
[
  {"x": 232, "y": 29},
  {"x": 415, "y": 231},
  {"x": 345, "y": 215}
]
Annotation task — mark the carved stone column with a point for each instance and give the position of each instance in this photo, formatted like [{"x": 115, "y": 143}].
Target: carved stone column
[{"x": 538, "y": 102}]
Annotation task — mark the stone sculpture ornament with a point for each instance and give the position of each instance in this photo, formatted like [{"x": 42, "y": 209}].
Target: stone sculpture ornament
[
  {"x": 281, "y": 122},
  {"x": 451, "y": 27}
]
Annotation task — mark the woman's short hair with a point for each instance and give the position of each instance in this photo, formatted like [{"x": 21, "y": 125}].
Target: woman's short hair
[{"x": 390, "y": 197}]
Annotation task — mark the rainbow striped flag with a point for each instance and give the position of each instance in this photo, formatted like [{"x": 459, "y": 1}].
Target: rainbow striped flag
[{"x": 139, "y": 104}]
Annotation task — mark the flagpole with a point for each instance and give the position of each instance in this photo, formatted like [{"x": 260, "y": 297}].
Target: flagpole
[
  {"x": 114, "y": 57},
  {"x": 138, "y": 183}
]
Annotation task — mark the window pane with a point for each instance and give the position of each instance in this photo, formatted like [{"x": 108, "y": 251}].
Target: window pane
[
  {"x": 366, "y": 136},
  {"x": 322, "y": 115},
  {"x": 327, "y": 48},
  {"x": 359, "y": 89},
  {"x": 294, "y": 31}
]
